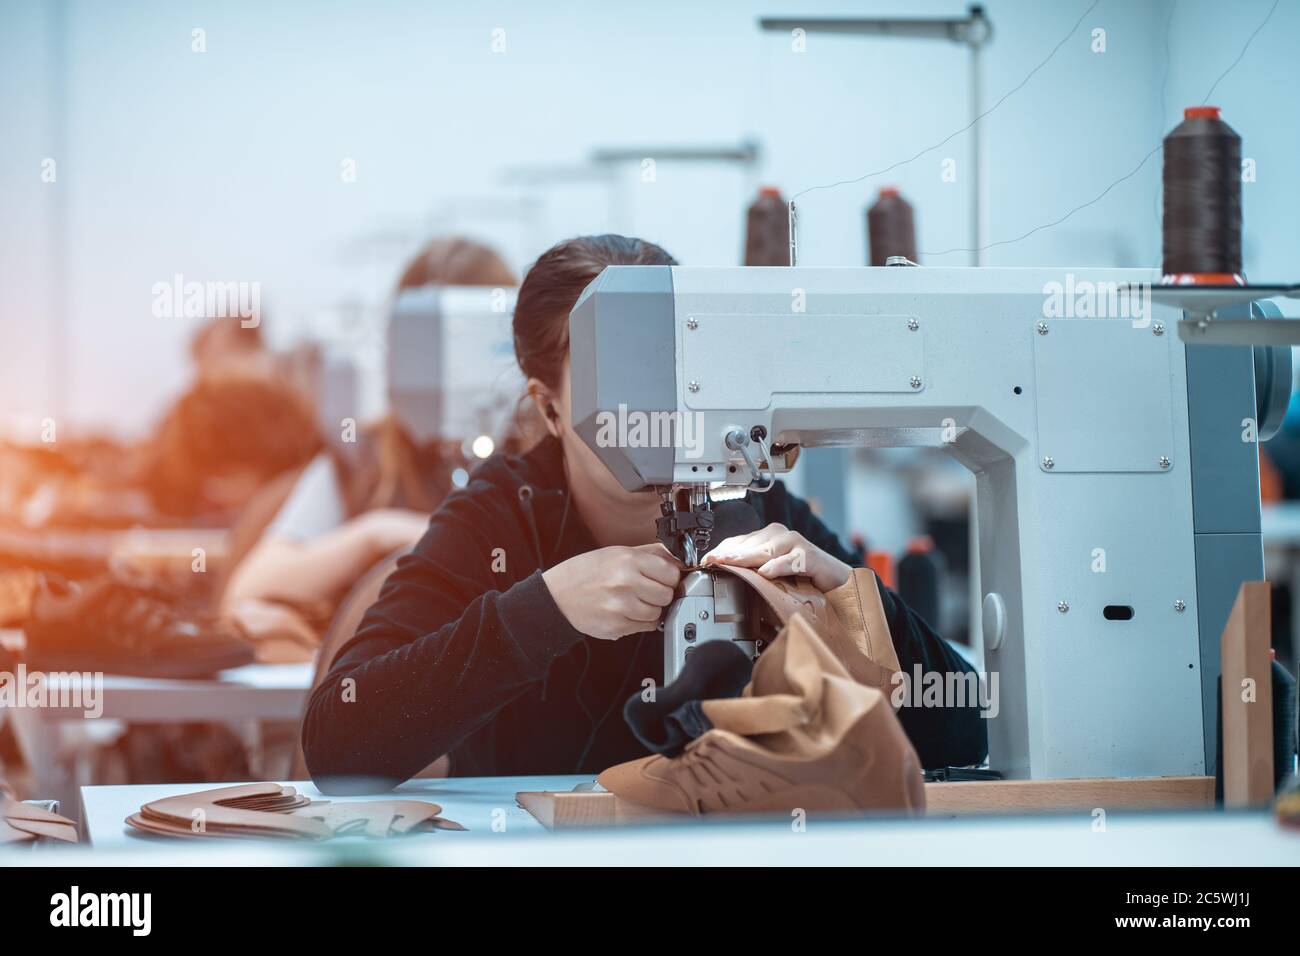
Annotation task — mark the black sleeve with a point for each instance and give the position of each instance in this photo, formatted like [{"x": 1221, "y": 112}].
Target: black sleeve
[
  {"x": 943, "y": 736},
  {"x": 449, "y": 643}
]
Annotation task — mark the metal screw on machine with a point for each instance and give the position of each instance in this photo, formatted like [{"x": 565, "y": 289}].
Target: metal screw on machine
[
  {"x": 1063, "y": 606},
  {"x": 1158, "y": 328},
  {"x": 916, "y": 381},
  {"x": 1180, "y": 605},
  {"x": 693, "y": 386},
  {"x": 1048, "y": 462},
  {"x": 1042, "y": 328},
  {"x": 1164, "y": 461},
  {"x": 704, "y": 615},
  {"x": 692, "y": 323},
  {"x": 913, "y": 324}
]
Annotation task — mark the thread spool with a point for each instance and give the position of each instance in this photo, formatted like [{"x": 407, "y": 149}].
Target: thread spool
[
  {"x": 882, "y": 562},
  {"x": 767, "y": 232},
  {"x": 1201, "y": 230},
  {"x": 891, "y": 230}
]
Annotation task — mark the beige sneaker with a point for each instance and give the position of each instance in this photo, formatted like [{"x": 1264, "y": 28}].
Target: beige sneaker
[{"x": 805, "y": 735}]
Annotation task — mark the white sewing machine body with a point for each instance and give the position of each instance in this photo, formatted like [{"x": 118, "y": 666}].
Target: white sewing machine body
[{"x": 1116, "y": 516}]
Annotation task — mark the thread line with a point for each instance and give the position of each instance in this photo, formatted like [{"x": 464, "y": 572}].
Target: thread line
[
  {"x": 955, "y": 133},
  {"x": 1159, "y": 146}
]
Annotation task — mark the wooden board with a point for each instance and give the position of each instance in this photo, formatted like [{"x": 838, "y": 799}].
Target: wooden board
[
  {"x": 1247, "y": 696},
  {"x": 964, "y": 798},
  {"x": 557, "y": 810}
]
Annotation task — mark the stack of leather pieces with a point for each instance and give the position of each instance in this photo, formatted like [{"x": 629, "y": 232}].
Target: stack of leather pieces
[
  {"x": 27, "y": 823},
  {"x": 813, "y": 730},
  {"x": 269, "y": 810}
]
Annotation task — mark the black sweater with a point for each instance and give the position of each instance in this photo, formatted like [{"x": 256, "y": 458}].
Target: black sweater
[{"x": 466, "y": 653}]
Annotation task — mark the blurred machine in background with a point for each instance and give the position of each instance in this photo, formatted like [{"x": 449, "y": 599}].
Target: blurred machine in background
[{"x": 452, "y": 376}]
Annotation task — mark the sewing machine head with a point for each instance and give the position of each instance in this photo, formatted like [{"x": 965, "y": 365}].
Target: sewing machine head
[{"x": 1083, "y": 422}]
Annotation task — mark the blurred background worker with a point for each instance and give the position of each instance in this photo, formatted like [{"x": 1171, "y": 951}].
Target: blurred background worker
[{"x": 346, "y": 512}]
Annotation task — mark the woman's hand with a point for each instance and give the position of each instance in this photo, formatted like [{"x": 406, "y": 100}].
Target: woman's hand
[
  {"x": 776, "y": 552},
  {"x": 612, "y": 592},
  {"x": 387, "y": 529}
]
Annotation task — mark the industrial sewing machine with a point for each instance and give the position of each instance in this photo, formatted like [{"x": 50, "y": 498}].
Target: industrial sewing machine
[{"x": 1117, "y": 489}]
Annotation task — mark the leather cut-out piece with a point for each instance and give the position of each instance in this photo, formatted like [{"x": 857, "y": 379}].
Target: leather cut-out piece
[
  {"x": 63, "y": 832},
  {"x": 25, "y": 823},
  {"x": 270, "y": 810},
  {"x": 226, "y": 808},
  {"x": 140, "y": 822},
  {"x": 850, "y": 619},
  {"x": 804, "y": 736},
  {"x": 377, "y": 818}
]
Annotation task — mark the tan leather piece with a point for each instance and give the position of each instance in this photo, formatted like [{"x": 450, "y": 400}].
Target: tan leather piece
[
  {"x": 26, "y": 823},
  {"x": 270, "y": 810},
  {"x": 862, "y": 641},
  {"x": 841, "y": 749},
  {"x": 850, "y": 619},
  {"x": 247, "y": 807},
  {"x": 785, "y": 596},
  {"x": 738, "y": 714}
]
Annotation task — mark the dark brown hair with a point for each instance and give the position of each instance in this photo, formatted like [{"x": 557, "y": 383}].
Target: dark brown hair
[
  {"x": 456, "y": 261},
  {"x": 552, "y": 286},
  {"x": 221, "y": 425}
]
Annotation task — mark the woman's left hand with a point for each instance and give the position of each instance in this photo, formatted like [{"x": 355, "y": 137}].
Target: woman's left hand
[{"x": 776, "y": 552}]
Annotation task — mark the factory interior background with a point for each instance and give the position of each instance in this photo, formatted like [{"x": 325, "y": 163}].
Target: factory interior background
[{"x": 313, "y": 148}]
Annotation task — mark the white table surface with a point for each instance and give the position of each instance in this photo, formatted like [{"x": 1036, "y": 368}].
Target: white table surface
[
  {"x": 1130, "y": 839},
  {"x": 473, "y": 802},
  {"x": 256, "y": 692}
]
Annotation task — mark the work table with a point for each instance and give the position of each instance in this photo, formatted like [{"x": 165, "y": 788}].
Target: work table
[{"x": 500, "y": 833}]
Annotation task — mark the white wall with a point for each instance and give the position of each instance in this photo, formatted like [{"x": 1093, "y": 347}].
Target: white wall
[{"x": 225, "y": 165}]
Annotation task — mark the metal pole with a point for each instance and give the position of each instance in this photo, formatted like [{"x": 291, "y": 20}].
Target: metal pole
[
  {"x": 794, "y": 236},
  {"x": 974, "y": 30},
  {"x": 978, "y": 186}
]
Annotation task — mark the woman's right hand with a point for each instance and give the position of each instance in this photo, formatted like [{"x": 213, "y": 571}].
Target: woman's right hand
[{"x": 612, "y": 592}]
